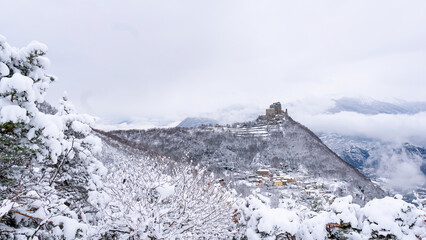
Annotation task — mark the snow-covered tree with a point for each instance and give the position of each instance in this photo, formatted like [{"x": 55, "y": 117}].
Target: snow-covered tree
[
  {"x": 43, "y": 153},
  {"x": 154, "y": 198}
]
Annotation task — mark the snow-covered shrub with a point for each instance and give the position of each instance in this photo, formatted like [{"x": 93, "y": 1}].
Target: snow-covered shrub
[
  {"x": 158, "y": 199},
  {"x": 46, "y": 162},
  {"x": 386, "y": 218},
  {"x": 393, "y": 218},
  {"x": 260, "y": 221}
]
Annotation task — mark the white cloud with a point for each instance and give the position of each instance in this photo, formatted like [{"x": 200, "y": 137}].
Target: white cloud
[
  {"x": 400, "y": 172},
  {"x": 388, "y": 127},
  {"x": 139, "y": 58}
]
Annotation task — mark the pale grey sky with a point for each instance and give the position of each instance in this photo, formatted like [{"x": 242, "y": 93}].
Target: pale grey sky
[{"x": 169, "y": 59}]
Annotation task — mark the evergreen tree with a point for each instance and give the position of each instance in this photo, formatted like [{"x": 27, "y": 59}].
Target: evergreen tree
[{"x": 47, "y": 165}]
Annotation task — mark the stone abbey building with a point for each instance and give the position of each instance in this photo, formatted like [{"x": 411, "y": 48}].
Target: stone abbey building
[{"x": 274, "y": 112}]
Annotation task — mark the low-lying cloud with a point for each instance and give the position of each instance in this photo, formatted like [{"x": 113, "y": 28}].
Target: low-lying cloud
[
  {"x": 387, "y": 127},
  {"x": 399, "y": 170}
]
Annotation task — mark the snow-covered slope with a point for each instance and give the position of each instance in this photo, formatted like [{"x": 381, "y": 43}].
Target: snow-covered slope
[
  {"x": 296, "y": 148},
  {"x": 266, "y": 213}
]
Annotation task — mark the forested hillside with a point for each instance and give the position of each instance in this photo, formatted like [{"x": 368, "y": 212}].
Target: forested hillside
[{"x": 289, "y": 143}]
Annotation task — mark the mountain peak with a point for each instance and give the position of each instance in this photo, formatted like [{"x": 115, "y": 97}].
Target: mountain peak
[{"x": 191, "y": 122}]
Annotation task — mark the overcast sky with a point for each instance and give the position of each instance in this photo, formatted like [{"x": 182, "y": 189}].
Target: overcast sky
[{"x": 165, "y": 60}]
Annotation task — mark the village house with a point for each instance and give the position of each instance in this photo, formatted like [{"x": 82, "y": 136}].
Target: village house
[
  {"x": 278, "y": 183},
  {"x": 263, "y": 172}
]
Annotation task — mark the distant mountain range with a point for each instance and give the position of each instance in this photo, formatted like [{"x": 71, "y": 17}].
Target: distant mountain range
[
  {"x": 372, "y": 107},
  {"x": 195, "y": 122}
]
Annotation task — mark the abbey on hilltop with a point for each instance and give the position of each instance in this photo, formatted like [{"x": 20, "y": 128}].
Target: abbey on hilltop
[{"x": 274, "y": 113}]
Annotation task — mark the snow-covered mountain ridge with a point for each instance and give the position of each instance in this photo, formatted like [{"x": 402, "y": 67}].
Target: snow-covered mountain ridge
[
  {"x": 253, "y": 145},
  {"x": 267, "y": 212},
  {"x": 374, "y": 155}
]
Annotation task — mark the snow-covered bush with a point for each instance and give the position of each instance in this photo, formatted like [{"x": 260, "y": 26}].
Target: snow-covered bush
[
  {"x": 386, "y": 218},
  {"x": 46, "y": 162},
  {"x": 260, "y": 221},
  {"x": 393, "y": 218},
  {"x": 154, "y": 198}
]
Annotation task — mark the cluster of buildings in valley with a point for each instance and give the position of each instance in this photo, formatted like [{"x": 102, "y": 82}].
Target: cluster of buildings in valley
[
  {"x": 309, "y": 189},
  {"x": 265, "y": 177}
]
